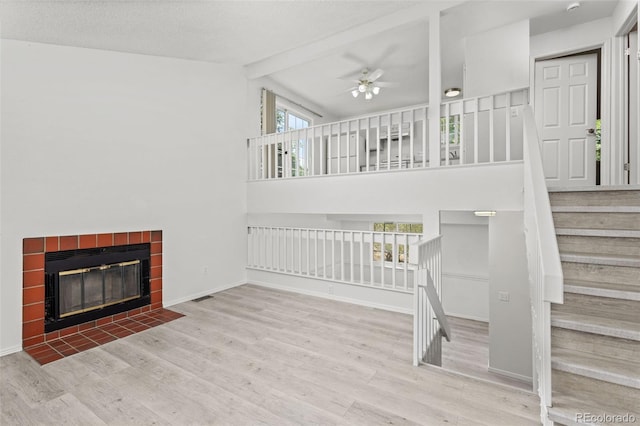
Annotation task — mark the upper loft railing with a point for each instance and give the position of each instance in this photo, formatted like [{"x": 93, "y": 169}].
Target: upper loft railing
[
  {"x": 543, "y": 258},
  {"x": 479, "y": 130}
]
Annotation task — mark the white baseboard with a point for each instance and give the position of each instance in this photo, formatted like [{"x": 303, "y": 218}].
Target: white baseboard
[
  {"x": 520, "y": 377},
  {"x": 10, "y": 350},
  {"x": 202, "y": 293},
  {"x": 333, "y": 297}
]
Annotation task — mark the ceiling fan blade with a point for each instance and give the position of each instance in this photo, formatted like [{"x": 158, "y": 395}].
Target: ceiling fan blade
[
  {"x": 352, "y": 77},
  {"x": 375, "y": 75},
  {"x": 387, "y": 84}
]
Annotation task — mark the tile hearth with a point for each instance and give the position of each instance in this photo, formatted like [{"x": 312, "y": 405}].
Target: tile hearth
[{"x": 53, "y": 350}]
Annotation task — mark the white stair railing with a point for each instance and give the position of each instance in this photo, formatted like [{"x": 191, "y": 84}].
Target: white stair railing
[
  {"x": 364, "y": 258},
  {"x": 429, "y": 321},
  {"x": 545, "y": 268}
]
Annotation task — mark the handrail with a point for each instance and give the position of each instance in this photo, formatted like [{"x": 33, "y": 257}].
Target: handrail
[
  {"x": 543, "y": 258},
  {"x": 438, "y": 309},
  {"x": 426, "y": 241},
  {"x": 534, "y": 175}
]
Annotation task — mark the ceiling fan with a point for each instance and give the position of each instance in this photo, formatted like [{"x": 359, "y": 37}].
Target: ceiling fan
[{"x": 368, "y": 85}]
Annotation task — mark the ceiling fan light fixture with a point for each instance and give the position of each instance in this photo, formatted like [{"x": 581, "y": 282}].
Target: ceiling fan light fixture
[
  {"x": 368, "y": 96},
  {"x": 375, "y": 90},
  {"x": 355, "y": 93},
  {"x": 362, "y": 87},
  {"x": 452, "y": 92}
]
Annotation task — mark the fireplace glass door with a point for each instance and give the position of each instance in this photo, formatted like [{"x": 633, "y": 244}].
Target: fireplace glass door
[{"x": 86, "y": 289}]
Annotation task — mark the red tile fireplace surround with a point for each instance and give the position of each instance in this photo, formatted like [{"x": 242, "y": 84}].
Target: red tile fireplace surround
[{"x": 33, "y": 282}]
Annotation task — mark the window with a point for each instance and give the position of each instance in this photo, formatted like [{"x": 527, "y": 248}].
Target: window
[
  {"x": 402, "y": 251},
  {"x": 454, "y": 129},
  {"x": 292, "y": 120},
  {"x": 288, "y": 120}
]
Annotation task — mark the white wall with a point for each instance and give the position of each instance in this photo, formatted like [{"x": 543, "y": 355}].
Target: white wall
[
  {"x": 497, "y": 60},
  {"x": 571, "y": 39},
  {"x": 96, "y": 141},
  {"x": 465, "y": 265},
  {"x": 510, "y": 350}
]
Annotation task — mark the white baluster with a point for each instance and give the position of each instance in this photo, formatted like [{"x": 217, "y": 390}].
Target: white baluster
[{"x": 507, "y": 120}]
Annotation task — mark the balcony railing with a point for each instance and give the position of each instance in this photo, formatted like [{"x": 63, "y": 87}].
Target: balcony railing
[
  {"x": 365, "y": 258},
  {"x": 478, "y": 130}
]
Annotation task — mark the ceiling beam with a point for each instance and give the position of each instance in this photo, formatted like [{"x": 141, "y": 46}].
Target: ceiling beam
[{"x": 320, "y": 48}]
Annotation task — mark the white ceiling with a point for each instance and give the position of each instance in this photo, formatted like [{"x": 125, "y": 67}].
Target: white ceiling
[
  {"x": 315, "y": 44},
  {"x": 237, "y": 31}
]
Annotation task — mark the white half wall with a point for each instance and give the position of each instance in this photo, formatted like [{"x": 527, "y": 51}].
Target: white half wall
[
  {"x": 415, "y": 192},
  {"x": 97, "y": 141}
]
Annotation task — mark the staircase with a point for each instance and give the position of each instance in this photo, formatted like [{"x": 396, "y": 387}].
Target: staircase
[{"x": 595, "y": 346}]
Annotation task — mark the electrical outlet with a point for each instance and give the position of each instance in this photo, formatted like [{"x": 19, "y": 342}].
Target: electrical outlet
[
  {"x": 205, "y": 270},
  {"x": 514, "y": 112},
  {"x": 503, "y": 296},
  {"x": 330, "y": 288}
]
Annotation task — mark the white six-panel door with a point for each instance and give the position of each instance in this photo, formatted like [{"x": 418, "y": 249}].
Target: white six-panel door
[{"x": 565, "y": 107}]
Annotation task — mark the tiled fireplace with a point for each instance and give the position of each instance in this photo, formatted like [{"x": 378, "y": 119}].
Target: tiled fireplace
[{"x": 100, "y": 323}]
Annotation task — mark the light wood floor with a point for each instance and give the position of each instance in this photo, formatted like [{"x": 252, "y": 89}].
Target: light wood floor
[
  {"x": 468, "y": 352},
  {"x": 251, "y": 355}
]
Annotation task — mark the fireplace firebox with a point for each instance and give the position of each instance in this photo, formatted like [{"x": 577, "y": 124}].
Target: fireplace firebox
[{"x": 86, "y": 284}]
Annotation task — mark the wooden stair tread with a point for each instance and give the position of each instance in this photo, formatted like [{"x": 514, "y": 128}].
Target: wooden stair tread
[
  {"x": 595, "y": 188},
  {"x": 603, "y": 289},
  {"x": 596, "y": 209},
  {"x": 597, "y": 325},
  {"x": 566, "y": 416},
  {"x": 595, "y": 196},
  {"x": 594, "y": 232},
  {"x": 574, "y": 394},
  {"x": 618, "y": 371},
  {"x": 601, "y": 259}
]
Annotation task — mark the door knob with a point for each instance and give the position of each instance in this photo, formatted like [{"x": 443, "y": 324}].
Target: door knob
[{"x": 591, "y": 131}]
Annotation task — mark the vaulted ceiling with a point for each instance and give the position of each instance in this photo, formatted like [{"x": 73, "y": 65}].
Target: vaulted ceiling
[{"x": 311, "y": 47}]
